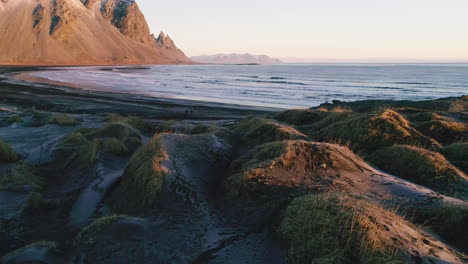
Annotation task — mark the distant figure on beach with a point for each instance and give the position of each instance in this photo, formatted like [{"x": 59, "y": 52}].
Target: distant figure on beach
[{"x": 191, "y": 114}]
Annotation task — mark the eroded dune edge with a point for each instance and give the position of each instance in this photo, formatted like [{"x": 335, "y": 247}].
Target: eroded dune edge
[{"x": 90, "y": 177}]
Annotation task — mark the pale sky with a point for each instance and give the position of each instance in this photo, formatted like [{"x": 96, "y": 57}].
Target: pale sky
[{"x": 317, "y": 30}]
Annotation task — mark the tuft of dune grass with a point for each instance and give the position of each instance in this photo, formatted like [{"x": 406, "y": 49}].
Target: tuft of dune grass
[
  {"x": 95, "y": 227},
  {"x": 255, "y": 131},
  {"x": 35, "y": 118},
  {"x": 133, "y": 121},
  {"x": 14, "y": 119},
  {"x": 140, "y": 187},
  {"x": 114, "y": 146},
  {"x": 34, "y": 201},
  {"x": 333, "y": 228},
  {"x": 52, "y": 246},
  {"x": 76, "y": 150},
  {"x": 111, "y": 130},
  {"x": 22, "y": 174},
  {"x": 299, "y": 117},
  {"x": 167, "y": 127},
  {"x": 64, "y": 120},
  {"x": 7, "y": 153}
]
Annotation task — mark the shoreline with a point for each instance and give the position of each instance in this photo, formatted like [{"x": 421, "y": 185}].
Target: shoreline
[{"x": 65, "y": 97}]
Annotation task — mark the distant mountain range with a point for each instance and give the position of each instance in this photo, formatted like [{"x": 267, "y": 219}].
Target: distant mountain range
[
  {"x": 80, "y": 32},
  {"x": 235, "y": 59}
]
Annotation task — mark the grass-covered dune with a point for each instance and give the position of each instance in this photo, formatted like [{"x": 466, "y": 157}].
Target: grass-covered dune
[
  {"x": 422, "y": 166},
  {"x": 23, "y": 174},
  {"x": 336, "y": 228},
  {"x": 445, "y": 132},
  {"x": 457, "y": 154},
  {"x": 140, "y": 187},
  {"x": 7, "y": 153},
  {"x": 366, "y": 133},
  {"x": 451, "y": 104},
  {"x": 255, "y": 131},
  {"x": 300, "y": 117}
]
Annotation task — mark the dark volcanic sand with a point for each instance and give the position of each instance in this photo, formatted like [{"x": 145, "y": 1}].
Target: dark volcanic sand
[{"x": 184, "y": 234}]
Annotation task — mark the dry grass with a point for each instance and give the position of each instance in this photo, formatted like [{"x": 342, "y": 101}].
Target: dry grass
[
  {"x": 421, "y": 166},
  {"x": 331, "y": 228},
  {"x": 22, "y": 174},
  {"x": 7, "y": 153},
  {"x": 64, "y": 120},
  {"x": 139, "y": 190}
]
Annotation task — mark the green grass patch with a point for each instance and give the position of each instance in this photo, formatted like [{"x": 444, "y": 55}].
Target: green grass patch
[
  {"x": 14, "y": 119},
  {"x": 22, "y": 174},
  {"x": 7, "y": 153},
  {"x": 64, "y": 120},
  {"x": 299, "y": 117},
  {"x": 112, "y": 130},
  {"x": 114, "y": 146},
  {"x": 133, "y": 121},
  {"x": 34, "y": 202},
  {"x": 76, "y": 150},
  {"x": 132, "y": 143},
  {"x": 90, "y": 231},
  {"x": 140, "y": 188},
  {"x": 255, "y": 131},
  {"x": 167, "y": 127},
  {"x": 34, "y": 118}
]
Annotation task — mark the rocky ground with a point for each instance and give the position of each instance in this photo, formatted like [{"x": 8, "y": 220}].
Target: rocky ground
[{"x": 89, "y": 177}]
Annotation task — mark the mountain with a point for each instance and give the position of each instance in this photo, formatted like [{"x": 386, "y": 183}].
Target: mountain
[
  {"x": 80, "y": 32},
  {"x": 235, "y": 59}
]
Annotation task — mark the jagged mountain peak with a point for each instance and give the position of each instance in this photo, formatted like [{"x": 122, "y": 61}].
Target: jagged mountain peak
[{"x": 77, "y": 32}]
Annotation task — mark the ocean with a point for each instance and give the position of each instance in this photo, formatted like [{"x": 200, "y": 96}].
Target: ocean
[{"x": 278, "y": 86}]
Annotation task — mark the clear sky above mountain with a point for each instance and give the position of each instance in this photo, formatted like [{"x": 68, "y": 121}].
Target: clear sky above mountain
[{"x": 317, "y": 30}]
